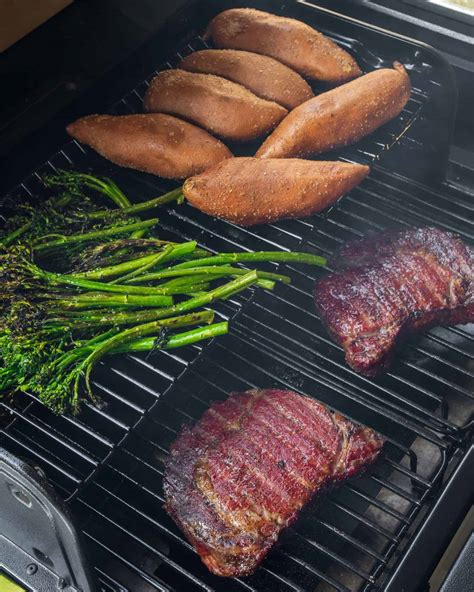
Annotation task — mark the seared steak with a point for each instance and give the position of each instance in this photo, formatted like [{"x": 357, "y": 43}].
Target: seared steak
[
  {"x": 391, "y": 285},
  {"x": 237, "y": 478}
]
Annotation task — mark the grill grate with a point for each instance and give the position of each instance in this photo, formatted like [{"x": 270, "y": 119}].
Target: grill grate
[
  {"x": 109, "y": 461},
  {"x": 367, "y": 516}
]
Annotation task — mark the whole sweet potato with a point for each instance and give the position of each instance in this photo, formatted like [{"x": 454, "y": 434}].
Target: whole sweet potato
[
  {"x": 154, "y": 143},
  {"x": 264, "y": 76},
  {"x": 226, "y": 109},
  {"x": 340, "y": 116},
  {"x": 292, "y": 42},
  {"x": 250, "y": 191}
]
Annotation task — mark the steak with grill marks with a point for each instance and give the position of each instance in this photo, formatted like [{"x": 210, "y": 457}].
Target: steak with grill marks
[
  {"x": 241, "y": 475},
  {"x": 391, "y": 285}
]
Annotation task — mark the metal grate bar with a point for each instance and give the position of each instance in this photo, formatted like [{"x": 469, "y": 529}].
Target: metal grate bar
[
  {"x": 134, "y": 568},
  {"x": 393, "y": 488},
  {"x": 380, "y": 505},
  {"x": 338, "y": 559},
  {"x": 432, "y": 195},
  {"x": 318, "y": 573},
  {"x": 325, "y": 358},
  {"x": 120, "y": 398},
  {"x": 406, "y": 216},
  {"x": 156, "y": 524},
  {"x": 43, "y": 429},
  {"x": 288, "y": 583},
  {"x": 343, "y": 368},
  {"x": 413, "y": 476},
  {"x": 356, "y": 543},
  {"x": 286, "y": 301},
  {"x": 364, "y": 520},
  {"x": 33, "y": 451},
  {"x": 111, "y": 583},
  {"x": 155, "y": 551},
  {"x": 375, "y": 406},
  {"x": 448, "y": 345}
]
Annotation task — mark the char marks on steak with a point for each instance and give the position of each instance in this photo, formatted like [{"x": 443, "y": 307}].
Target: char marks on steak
[
  {"x": 391, "y": 285},
  {"x": 246, "y": 468}
]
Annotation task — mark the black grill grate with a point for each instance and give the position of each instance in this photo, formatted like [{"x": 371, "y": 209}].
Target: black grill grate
[{"x": 108, "y": 461}]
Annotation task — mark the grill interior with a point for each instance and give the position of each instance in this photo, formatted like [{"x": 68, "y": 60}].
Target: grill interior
[{"x": 108, "y": 462}]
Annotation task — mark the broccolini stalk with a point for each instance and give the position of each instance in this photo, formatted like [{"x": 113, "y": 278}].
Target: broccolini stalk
[
  {"x": 116, "y": 292},
  {"x": 170, "y": 252},
  {"x": 153, "y": 262},
  {"x": 219, "y": 270},
  {"x": 176, "y": 340},
  {"x": 95, "y": 235},
  {"x": 127, "y": 336},
  {"x": 100, "y": 300},
  {"x": 122, "y": 250},
  {"x": 15, "y": 235},
  {"x": 73, "y": 182},
  {"x": 175, "y": 195},
  {"x": 58, "y": 380},
  {"x": 145, "y": 316},
  {"x": 276, "y": 256},
  {"x": 53, "y": 279}
]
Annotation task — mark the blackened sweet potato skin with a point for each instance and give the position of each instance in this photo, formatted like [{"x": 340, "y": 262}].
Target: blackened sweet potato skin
[
  {"x": 264, "y": 76},
  {"x": 249, "y": 191},
  {"x": 340, "y": 116},
  {"x": 224, "y": 108},
  {"x": 152, "y": 143},
  {"x": 290, "y": 41}
]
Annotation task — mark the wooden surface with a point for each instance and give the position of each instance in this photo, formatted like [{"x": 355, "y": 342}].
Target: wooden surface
[{"x": 20, "y": 17}]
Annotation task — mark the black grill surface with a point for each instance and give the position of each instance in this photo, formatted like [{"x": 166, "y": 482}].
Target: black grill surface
[{"x": 108, "y": 462}]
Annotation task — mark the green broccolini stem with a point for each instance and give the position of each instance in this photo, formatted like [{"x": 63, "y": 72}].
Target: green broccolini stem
[
  {"x": 172, "y": 252},
  {"x": 219, "y": 270},
  {"x": 10, "y": 238},
  {"x": 103, "y": 185},
  {"x": 175, "y": 195},
  {"x": 186, "y": 280},
  {"x": 117, "y": 269},
  {"x": 196, "y": 318},
  {"x": 138, "y": 233},
  {"x": 98, "y": 299},
  {"x": 176, "y": 340},
  {"x": 96, "y": 234},
  {"x": 188, "y": 289},
  {"x": 102, "y": 336},
  {"x": 62, "y": 201},
  {"x": 70, "y": 280},
  {"x": 144, "y": 316},
  {"x": 131, "y": 334},
  {"x": 277, "y": 256},
  {"x": 107, "y": 187},
  {"x": 152, "y": 262}
]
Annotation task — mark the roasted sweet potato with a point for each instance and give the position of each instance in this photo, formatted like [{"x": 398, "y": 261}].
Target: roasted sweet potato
[
  {"x": 154, "y": 143},
  {"x": 250, "y": 191},
  {"x": 226, "y": 109},
  {"x": 264, "y": 76},
  {"x": 292, "y": 42},
  {"x": 341, "y": 116}
]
